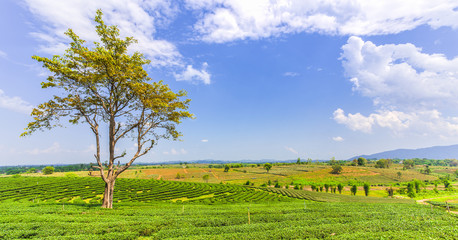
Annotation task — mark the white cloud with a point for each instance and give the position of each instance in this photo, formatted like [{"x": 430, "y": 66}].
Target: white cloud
[
  {"x": 338, "y": 139},
  {"x": 193, "y": 75},
  {"x": 134, "y": 18},
  {"x": 14, "y": 104},
  {"x": 173, "y": 151},
  {"x": 3, "y": 54},
  {"x": 291, "y": 150},
  {"x": 229, "y": 20},
  {"x": 400, "y": 75},
  {"x": 409, "y": 88},
  {"x": 291, "y": 74},
  {"x": 55, "y": 148},
  {"x": 204, "y": 140}
]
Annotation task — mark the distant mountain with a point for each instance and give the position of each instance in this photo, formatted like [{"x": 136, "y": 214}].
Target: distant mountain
[{"x": 437, "y": 152}]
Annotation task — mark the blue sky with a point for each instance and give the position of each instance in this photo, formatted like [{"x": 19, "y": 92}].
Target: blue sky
[{"x": 267, "y": 79}]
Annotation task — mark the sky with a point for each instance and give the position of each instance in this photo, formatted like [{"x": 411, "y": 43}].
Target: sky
[{"x": 267, "y": 79}]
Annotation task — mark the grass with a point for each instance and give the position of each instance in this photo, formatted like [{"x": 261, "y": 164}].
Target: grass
[{"x": 273, "y": 220}]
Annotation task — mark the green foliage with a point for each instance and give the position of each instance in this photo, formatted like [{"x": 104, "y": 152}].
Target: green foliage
[
  {"x": 353, "y": 189},
  {"x": 336, "y": 169},
  {"x": 409, "y": 163},
  {"x": 390, "y": 191},
  {"x": 277, "y": 220},
  {"x": 267, "y": 166},
  {"x": 226, "y": 168},
  {"x": 383, "y": 163},
  {"x": 366, "y": 187},
  {"x": 205, "y": 177},
  {"x": 326, "y": 187},
  {"x": 71, "y": 175},
  {"x": 53, "y": 189},
  {"x": 340, "y": 187},
  {"x": 48, "y": 170},
  {"x": 362, "y": 161}
]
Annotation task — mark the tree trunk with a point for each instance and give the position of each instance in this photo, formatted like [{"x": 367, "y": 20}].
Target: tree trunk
[{"x": 108, "y": 194}]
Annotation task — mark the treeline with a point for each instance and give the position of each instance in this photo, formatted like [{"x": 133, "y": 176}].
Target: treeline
[{"x": 11, "y": 170}]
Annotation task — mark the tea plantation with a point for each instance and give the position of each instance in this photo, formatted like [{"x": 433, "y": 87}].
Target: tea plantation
[{"x": 61, "y": 208}]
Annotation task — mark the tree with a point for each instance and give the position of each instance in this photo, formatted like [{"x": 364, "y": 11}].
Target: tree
[
  {"x": 336, "y": 169},
  {"x": 362, "y": 161},
  {"x": 48, "y": 170},
  {"x": 105, "y": 85},
  {"x": 383, "y": 163},
  {"x": 353, "y": 189},
  {"x": 205, "y": 177},
  {"x": 366, "y": 189},
  {"x": 427, "y": 170},
  {"x": 226, "y": 168},
  {"x": 340, "y": 187},
  {"x": 409, "y": 163},
  {"x": 298, "y": 161},
  {"x": 399, "y": 174},
  {"x": 32, "y": 170},
  {"x": 267, "y": 166},
  {"x": 390, "y": 191},
  {"x": 326, "y": 187}
]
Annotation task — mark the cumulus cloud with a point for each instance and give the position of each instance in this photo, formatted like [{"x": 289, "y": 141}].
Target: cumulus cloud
[
  {"x": 421, "y": 123},
  {"x": 55, "y": 148},
  {"x": 173, "y": 151},
  {"x": 291, "y": 74},
  {"x": 134, "y": 18},
  {"x": 15, "y": 104},
  {"x": 400, "y": 74},
  {"x": 204, "y": 140},
  {"x": 229, "y": 20},
  {"x": 291, "y": 150},
  {"x": 409, "y": 88},
  {"x": 338, "y": 139},
  {"x": 193, "y": 75}
]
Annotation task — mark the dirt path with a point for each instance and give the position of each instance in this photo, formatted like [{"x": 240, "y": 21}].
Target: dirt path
[
  {"x": 424, "y": 202},
  {"x": 159, "y": 177}
]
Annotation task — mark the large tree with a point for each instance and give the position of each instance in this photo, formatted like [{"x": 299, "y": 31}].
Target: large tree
[{"x": 105, "y": 85}]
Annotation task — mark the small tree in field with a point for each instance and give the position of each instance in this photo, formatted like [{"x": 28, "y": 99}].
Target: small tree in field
[
  {"x": 366, "y": 189},
  {"x": 326, "y": 187},
  {"x": 205, "y": 177},
  {"x": 267, "y": 166},
  {"x": 226, "y": 168},
  {"x": 105, "y": 85},
  {"x": 362, "y": 161},
  {"x": 48, "y": 170},
  {"x": 353, "y": 189},
  {"x": 336, "y": 169},
  {"x": 340, "y": 187}
]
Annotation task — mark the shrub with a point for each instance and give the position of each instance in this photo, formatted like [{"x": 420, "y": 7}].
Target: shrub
[
  {"x": 362, "y": 161},
  {"x": 336, "y": 169},
  {"x": 366, "y": 189},
  {"x": 340, "y": 187},
  {"x": 48, "y": 170},
  {"x": 353, "y": 189}
]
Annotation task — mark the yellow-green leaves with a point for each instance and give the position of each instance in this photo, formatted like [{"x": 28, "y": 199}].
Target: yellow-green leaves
[{"x": 105, "y": 83}]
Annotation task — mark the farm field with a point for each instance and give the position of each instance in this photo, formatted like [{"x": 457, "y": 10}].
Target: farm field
[
  {"x": 69, "y": 208},
  {"x": 270, "y": 220},
  {"x": 281, "y": 173}
]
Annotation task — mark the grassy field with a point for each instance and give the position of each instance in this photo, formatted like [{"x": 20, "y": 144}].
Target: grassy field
[
  {"x": 152, "y": 203},
  {"x": 271, "y": 220}
]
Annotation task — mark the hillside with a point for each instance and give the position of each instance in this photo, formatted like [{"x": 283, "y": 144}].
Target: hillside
[{"x": 436, "y": 152}]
